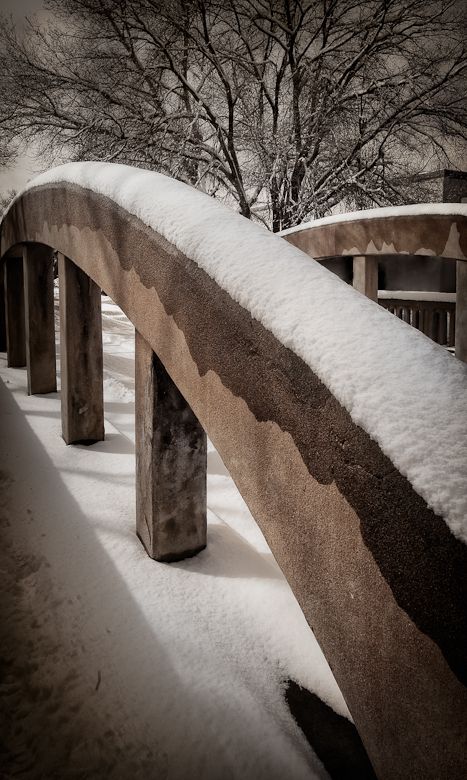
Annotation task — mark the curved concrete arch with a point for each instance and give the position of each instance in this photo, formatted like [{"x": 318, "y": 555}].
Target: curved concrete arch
[
  {"x": 438, "y": 230},
  {"x": 379, "y": 575},
  {"x": 429, "y": 230}
]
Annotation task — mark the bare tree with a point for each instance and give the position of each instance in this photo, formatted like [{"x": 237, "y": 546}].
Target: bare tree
[
  {"x": 7, "y": 152},
  {"x": 283, "y": 108},
  {"x": 8, "y": 139},
  {"x": 5, "y": 200}
]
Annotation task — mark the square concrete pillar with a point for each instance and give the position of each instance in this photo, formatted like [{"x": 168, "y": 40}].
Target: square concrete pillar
[
  {"x": 14, "y": 311},
  {"x": 171, "y": 463},
  {"x": 2, "y": 315},
  {"x": 39, "y": 318},
  {"x": 461, "y": 311},
  {"x": 365, "y": 276},
  {"x": 81, "y": 355}
]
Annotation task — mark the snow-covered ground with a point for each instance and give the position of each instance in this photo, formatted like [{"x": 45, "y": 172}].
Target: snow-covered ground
[{"x": 113, "y": 665}]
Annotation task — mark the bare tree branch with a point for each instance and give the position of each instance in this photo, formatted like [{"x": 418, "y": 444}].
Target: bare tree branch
[{"x": 282, "y": 108}]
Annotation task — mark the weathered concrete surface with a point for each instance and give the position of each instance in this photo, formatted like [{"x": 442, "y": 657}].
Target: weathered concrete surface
[
  {"x": 379, "y": 576},
  {"x": 3, "y": 346},
  {"x": 441, "y": 236},
  {"x": 14, "y": 311},
  {"x": 365, "y": 276},
  {"x": 39, "y": 318},
  {"x": 461, "y": 311},
  {"x": 81, "y": 355},
  {"x": 171, "y": 462},
  {"x": 431, "y": 235}
]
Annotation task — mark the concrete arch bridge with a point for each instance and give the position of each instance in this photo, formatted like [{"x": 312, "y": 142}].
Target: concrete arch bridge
[
  {"x": 344, "y": 429},
  {"x": 428, "y": 247}
]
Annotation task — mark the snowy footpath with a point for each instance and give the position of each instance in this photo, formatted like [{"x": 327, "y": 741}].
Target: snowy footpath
[{"x": 113, "y": 665}]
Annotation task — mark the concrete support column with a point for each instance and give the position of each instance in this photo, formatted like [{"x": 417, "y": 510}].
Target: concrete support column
[
  {"x": 80, "y": 355},
  {"x": 461, "y": 310},
  {"x": 171, "y": 461},
  {"x": 365, "y": 276},
  {"x": 39, "y": 318},
  {"x": 14, "y": 312},
  {"x": 2, "y": 314}
]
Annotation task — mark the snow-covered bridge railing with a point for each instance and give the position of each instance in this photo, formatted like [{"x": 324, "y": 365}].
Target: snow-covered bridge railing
[
  {"x": 432, "y": 313},
  {"x": 345, "y": 430},
  {"x": 427, "y": 230}
]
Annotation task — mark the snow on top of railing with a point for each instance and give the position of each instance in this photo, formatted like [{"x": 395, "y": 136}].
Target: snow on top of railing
[
  {"x": 412, "y": 210},
  {"x": 409, "y": 394},
  {"x": 417, "y": 295}
]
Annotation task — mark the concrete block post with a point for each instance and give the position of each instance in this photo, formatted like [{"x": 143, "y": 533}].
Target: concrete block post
[
  {"x": 14, "y": 312},
  {"x": 365, "y": 276},
  {"x": 171, "y": 462},
  {"x": 2, "y": 314},
  {"x": 80, "y": 355},
  {"x": 461, "y": 311},
  {"x": 39, "y": 318}
]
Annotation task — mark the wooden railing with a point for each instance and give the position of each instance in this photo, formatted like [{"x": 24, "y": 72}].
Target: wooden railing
[
  {"x": 360, "y": 503},
  {"x": 431, "y": 230},
  {"x": 436, "y": 318}
]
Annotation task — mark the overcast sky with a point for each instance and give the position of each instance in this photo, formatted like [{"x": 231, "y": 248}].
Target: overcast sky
[
  {"x": 19, "y": 8},
  {"x": 18, "y": 176}
]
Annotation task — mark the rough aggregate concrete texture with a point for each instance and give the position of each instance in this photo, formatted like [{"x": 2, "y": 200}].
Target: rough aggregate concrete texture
[
  {"x": 39, "y": 318},
  {"x": 430, "y": 235},
  {"x": 461, "y": 311},
  {"x": 441, "y": 236},
  {"x": 81, "y": 356},
  {"x": 3, "y": 344},
  {"x": 14, "y": 311},
  {"x": 171, "y": 463},
  {"x": 379, "y": 576}
]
